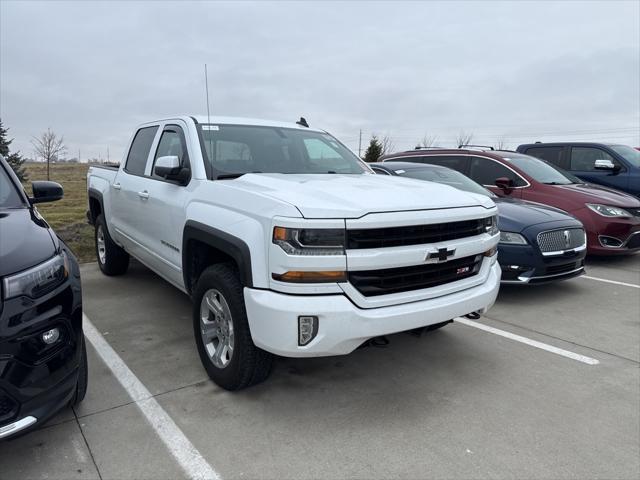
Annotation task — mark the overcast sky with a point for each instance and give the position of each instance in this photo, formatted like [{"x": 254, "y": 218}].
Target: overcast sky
[{"x": 523, "y": 71}]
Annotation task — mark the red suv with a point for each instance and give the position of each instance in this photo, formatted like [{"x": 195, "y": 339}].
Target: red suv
[{"x": 610, "y": 217}]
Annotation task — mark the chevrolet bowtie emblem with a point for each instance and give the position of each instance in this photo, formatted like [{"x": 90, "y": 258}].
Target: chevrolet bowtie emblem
[{"x": 441, "y": 255}]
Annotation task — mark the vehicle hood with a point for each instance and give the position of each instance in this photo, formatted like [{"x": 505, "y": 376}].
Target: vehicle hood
[
  {"x": 591, "y": 193},
  {"x": 516, "y": 215},
  {"x": 353, "y": 196},
  {"x": 25, "y": 240}
]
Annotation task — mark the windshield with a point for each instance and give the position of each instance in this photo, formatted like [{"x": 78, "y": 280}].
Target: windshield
[
  {"x": 445, "y": 176},
  {"x": 9, "y": 196},
  {"x": 541, "y": 171},
  {"x": 239, "y": 149},
  {"x": 631, "y": 155}
]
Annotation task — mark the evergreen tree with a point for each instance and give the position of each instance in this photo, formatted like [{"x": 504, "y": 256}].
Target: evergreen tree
[
  {"x": 374, "y": 150},
  {"x": 15, "y": 160}
]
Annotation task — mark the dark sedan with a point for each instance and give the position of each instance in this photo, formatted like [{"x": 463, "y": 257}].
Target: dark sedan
[
  {"x": 537, "y": 243},
  {"x": 43, "y": 362}
]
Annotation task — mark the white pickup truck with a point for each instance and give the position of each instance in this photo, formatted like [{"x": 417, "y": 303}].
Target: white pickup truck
[{"x": 287, "y": 242}]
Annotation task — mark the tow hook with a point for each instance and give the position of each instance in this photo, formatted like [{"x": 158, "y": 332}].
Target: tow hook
[{"x": 473, "y": 316}]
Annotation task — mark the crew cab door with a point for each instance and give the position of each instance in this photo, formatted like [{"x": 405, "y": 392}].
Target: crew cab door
[
  {"x": 166, "y": 205},
  {"x": 582, "y": 164},
  {"x": 129, "y": 195}
]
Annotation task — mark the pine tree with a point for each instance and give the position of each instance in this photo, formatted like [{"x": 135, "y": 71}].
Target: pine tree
[
  {"x": 14, "y": 160},
  {"x": 374, "y": 150}
]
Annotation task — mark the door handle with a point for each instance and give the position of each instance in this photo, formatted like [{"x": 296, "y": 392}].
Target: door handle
[
  {"x": 116, "y": 186},
  {"x": 144, "y": 194}
]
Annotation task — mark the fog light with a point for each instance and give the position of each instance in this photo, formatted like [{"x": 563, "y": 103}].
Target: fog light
[
  {"x": 51, "y": 336},
  {"x": 307, "y": 329}
]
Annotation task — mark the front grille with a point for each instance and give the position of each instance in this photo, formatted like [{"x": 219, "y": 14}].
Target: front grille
[
  {"x": 633, "y": 211},
  {"x": 413, "y": 235},
  {"x": 556, "y": 269},
  {"x": 634, "y": 241},
  {"x": 8, "y": 408},
  {"x": 559, "y": 240},
  {"x": 395, "y": 280}
]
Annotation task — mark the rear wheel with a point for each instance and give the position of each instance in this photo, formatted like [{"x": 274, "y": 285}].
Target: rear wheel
[
  {"x": 112, "y": 259},
  {"x": 222, "y": 333}
]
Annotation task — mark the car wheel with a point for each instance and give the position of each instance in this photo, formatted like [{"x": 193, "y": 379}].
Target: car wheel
[
  {"x": 83, "y": 375},
  {"x": 222, "y": 333},
  {"x": 112, "y": 259}
]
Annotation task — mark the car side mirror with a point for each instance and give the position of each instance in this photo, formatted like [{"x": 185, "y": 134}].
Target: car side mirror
[
  {"x": 168, "y": 167},
  {"x": 604, "y": 164},
  {"x": 44, "y": 191},
  {"x": 504, "y": 183}
]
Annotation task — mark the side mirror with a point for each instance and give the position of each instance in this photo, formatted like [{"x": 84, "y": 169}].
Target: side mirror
[
  {"x": 44, "y": 191},
  {"x": 167, "y": 166},
  {"x": 604, "y": 164},
  {"x": 504, "y": 183}
]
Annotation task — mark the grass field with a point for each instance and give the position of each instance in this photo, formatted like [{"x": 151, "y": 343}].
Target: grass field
[{"x": 67, "y": 216}]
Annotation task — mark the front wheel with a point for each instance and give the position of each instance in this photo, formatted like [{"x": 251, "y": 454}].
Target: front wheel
[
  {"x": 83, "y": 375},
  {"x": 222, "y": 333}
]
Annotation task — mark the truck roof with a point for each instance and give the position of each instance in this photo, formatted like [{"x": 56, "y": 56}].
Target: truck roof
[{"x": 223, "y": 120}]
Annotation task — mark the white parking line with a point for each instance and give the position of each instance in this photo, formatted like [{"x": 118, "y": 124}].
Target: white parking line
[
  {"x": 528, "y": 341},
  {"x": 183, "y": 451},
  {"x": 610, "y": 281}
]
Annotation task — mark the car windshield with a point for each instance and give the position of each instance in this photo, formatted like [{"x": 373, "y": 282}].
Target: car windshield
[
  {"x": 445, "y": 176},
  {"x": 541, "y": 171},
  {"x": 631, "y": 155},
  {"x": 233, "y": 150},
  {"x": 9, "y": 196}
]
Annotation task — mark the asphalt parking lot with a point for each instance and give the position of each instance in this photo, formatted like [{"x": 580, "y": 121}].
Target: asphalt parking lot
[{"x": 461, "y": 402}]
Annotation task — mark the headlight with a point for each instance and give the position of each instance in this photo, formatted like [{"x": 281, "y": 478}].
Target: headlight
[
  {"x": 607, "y": 211},
  {"x": 512, "y": 238},
  {"x": 491, "y": 225},
  {"x": 310, "y": 241},
  {"x": 38, "y": 280}
]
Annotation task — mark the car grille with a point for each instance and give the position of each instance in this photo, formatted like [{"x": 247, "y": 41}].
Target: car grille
[
  {"x": 413, "y": 235},
  {"x": 8, "y": 408},
  {"x": 559, "y": 240},
  {"x": 394, "y": 280},
  {"x": 633, "y": 211},
  {"x": 567, "y": 267},
  {"x": 634, "y": 241}
]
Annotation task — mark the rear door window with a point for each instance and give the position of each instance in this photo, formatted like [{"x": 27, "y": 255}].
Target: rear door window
[
  {"x": 485, "y": 171},
  {"x": 550, "y": 154},
  {"x": 139, "y": 151},
  {"x": 583, "y": 159}
]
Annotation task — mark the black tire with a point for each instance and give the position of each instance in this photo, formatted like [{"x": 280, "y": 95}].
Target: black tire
[
  {"x": 248, "y": 365},
  {"x": 83, "y": 375},
  {"x": 115, "y": 260},
  {"x": 436, "y": 326}
]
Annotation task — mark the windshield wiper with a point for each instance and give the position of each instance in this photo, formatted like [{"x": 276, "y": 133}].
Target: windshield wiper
[
  {"x": 230, "y": 176},
  {"x": 557, "y": 183}
]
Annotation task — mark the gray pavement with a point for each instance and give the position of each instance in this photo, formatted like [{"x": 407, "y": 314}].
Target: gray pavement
[{"x": 456, "y": 403}]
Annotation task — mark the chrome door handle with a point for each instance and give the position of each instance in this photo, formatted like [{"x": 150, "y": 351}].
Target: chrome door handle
[
  {"x": 144, "y": 194},
  {"x": 116, "y": 186}
]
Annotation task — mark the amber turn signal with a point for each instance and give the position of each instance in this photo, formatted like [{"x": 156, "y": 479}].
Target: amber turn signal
[{"x": 310, "y": 277}]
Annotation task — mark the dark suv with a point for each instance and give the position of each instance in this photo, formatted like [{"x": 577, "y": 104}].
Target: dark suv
[
  {"x": 610, "y": 217},
  {"x": 616, "y": 166},
  {"x": 43, "y": 361}
]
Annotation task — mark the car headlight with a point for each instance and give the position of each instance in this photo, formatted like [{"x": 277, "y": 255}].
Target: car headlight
[
  {"x": 491, "y": 225},
  {"x": 310, "y": 241},
  {"x": 607, "y": 211},
  {"x": 38, "y": 280},
  {"x": 512, "y": 238}
]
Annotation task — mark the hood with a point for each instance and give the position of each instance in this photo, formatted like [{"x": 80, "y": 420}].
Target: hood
[
  {"x": 591, "y": 193},
  {"x": 516, "y": 215},
  {"x": 25, "y": 240},
  {"x": 353, "y": 196}
]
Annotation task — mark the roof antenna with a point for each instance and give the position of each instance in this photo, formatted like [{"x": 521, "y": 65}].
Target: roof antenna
[
  {"x": 206, "y": 87},
  {"x": 302, "y": 122}
]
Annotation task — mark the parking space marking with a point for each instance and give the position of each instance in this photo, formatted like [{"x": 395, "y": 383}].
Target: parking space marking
[
  {"x": 182, "y": 450},
  {"x": 528, "y": 341},
  {"x": 624, "y": 284}
]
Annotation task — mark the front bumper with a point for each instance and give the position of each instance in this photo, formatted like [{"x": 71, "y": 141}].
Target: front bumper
[
  {"x": 610, "y": 236},
  {"x": 524, "y": 264},
  {"x": 273, "y": 317},
  {"x": 37, "y": 380}
]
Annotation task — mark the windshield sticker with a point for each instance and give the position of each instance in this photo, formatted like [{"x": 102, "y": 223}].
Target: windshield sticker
[
  {"x": 210, "y": 127},
  {"x": 401, "y": 171}
]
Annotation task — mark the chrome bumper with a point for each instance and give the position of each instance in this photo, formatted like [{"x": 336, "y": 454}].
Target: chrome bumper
[{"x": 15, "y": 427}]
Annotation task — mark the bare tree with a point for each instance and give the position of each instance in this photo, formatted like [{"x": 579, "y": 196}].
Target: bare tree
[
  {"x": 427, "y": 141},
  {"x": 501, "y": 144},
  {"x": 49, "y": 147},
  {"x": 463, "y": 138},
  {"x": 388, "y": 146}
]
